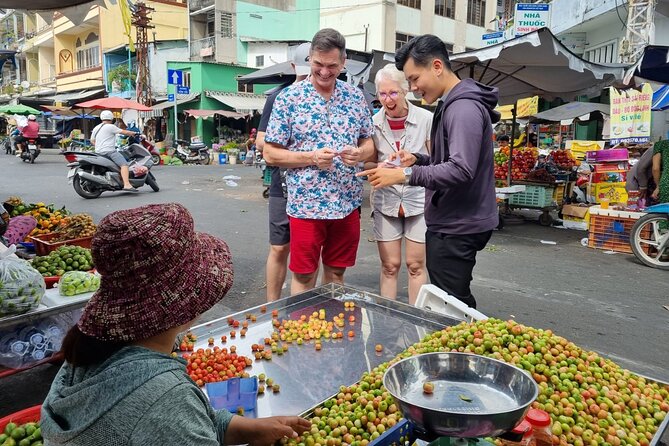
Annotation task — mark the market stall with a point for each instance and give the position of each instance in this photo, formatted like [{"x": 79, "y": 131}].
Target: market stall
[
  {"x": 42, "y": 298},
  {"x": 308, "y": 372}
]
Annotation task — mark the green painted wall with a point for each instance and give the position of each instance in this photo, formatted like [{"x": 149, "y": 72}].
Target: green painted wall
[
  {"x": 260, "y": 22},
  {"x": 206, "y": 76}
]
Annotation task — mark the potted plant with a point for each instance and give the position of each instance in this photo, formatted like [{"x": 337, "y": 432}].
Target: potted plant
[
  {"x": 233, "y": 153},
  {"x": 119, "y": 77}
]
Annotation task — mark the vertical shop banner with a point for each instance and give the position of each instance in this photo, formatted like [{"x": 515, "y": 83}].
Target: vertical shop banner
[
  {"x": 530, "y": 17},
  {"x": 630, "y": 115}
]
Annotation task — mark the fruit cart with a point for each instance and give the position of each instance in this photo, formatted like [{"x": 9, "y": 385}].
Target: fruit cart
[
  {"x": 32, "y": 338},
  {"x": 314, "y": 375},
  {"x": 540, "y": 196}
]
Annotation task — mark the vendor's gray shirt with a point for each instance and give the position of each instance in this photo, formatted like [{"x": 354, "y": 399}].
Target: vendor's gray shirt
[{"x": 104, "y": 136}]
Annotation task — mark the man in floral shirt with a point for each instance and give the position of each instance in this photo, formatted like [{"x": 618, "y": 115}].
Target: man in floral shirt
[{"x": 321, "y": 129}]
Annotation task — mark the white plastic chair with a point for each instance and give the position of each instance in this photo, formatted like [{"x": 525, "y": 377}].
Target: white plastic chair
[{"x": 435, "y": 299}]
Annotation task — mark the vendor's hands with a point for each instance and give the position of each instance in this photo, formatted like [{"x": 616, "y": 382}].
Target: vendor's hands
[
  {"x": 407, "y": 159},
  {"x": 270, "y": 430},
  {"x": 322, "y": 158},
  {"x": 381, "y": 177},
  {"x": 351, "y": 155}
]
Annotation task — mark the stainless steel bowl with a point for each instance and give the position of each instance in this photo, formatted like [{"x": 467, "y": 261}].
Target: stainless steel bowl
[{"x": 474, "y": 396}]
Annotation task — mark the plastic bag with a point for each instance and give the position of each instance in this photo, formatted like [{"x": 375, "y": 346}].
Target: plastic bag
[
  {"x": 21, "y": 285},
  {"x": 78, "y": 282}
]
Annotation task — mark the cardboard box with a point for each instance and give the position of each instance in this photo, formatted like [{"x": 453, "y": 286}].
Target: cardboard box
[
  {"x": 576, "y": 217},
  {"x": 614, "y": 192}
]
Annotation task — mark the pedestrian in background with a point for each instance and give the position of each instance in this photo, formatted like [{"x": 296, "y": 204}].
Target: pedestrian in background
[
  {"x": 398, "y": 209},
  {"x": 320, "y": 129},
  {"x": 279, "y": 227},
  {"x": 458, "y": 175}
]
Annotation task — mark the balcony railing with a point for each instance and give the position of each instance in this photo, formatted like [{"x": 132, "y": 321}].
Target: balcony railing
[
  {"x": 203, "y": 47},
  {"x": 79, "y": 70},
  {"x": 196, "y": 5}
]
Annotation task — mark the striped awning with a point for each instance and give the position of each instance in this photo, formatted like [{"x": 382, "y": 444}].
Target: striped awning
[{"x": 240, "y": 102}]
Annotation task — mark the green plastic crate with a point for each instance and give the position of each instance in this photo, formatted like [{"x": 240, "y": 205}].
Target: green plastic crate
[{"x": 533, "y": 197}]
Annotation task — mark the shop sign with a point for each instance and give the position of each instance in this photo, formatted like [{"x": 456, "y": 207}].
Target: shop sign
[
  {"x": 630, "y": 115},
  {"x": 527, "y": 107},
  {"x": 492, "y": 38},
  {"x": 530, "y": 17}
]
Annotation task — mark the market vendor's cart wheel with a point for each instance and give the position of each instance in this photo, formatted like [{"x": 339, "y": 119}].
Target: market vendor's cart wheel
[
  {"x": 545, "y": 219},
  {"x": 649, "y": 239},
  {"x": 85, "y": 189},
  {"x": 151, "y": 181}
]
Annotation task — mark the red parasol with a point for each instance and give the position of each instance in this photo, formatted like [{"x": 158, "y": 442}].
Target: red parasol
[{"x": 113, "y": 103}]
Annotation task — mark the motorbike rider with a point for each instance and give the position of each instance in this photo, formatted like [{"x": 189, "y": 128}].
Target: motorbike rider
[
  {"x": 104, "y": 139},
  {"x": 29, "y": 131}
]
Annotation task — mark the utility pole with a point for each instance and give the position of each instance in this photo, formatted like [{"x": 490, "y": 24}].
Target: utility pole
[
  {"x": 142, "y": 21},
  {"x": 639, "y": 29}
]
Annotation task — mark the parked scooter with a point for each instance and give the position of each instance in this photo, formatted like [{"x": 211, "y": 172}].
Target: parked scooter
[
  {"x": 91, "y": 174},
  {"x": 155, "y": 154},
  {"x": 30, "y": 151},
  {"x": 649, "y": 237},
  {"x": 196, "y": 152}
]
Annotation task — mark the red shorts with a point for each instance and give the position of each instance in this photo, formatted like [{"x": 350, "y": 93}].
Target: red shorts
[{"x": 336, "y": 241}]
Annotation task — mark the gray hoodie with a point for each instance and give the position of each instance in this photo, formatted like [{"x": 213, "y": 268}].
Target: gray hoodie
[
  {"x": 136, "y": 397},
  {"x": 458, "y": 175}
]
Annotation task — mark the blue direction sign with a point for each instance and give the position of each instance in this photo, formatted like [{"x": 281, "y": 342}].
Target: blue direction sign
[
  {"x": 183, "y": 90},
  {"x": 170, "y": 97},
  {"x": 175, "y": 77}
]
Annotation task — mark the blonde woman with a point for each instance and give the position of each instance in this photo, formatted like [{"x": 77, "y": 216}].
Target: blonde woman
[{"x": 398, "y": 210}]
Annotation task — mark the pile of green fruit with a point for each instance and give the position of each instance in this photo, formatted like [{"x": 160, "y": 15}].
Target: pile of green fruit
[
  {"x": 27, "y": 434},
  {"x": 591, "y": 400},
  {"x": 78, "y": 282},
  {"x": 66, "y": 258}
]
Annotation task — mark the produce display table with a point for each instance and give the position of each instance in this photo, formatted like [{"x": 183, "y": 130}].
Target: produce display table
[
  {"x": 29, "y": 339},
  {"x": 308, "y": 377}
]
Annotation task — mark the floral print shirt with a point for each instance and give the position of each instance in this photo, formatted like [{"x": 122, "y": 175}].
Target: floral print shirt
[{"x": 302, "y": 121}]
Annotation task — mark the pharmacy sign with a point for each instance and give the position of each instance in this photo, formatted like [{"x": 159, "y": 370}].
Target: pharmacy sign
[{"x": 530, "y": 17}]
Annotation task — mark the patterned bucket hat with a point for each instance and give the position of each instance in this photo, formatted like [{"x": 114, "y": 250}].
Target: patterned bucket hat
[{"x": 157, "y": 273}]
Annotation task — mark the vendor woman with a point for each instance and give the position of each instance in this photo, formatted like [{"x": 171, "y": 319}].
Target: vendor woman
[{"x": 119, "y": 384}]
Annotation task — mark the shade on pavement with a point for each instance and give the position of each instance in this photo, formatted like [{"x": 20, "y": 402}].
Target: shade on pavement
[
  {"x": 113, "y": 103},
  {"x": 536, "y": 63}
]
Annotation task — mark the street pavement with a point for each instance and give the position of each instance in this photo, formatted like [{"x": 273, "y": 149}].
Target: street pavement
[{"x": 608, "y": 303}]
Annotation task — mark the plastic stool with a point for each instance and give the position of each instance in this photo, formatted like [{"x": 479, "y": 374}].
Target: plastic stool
[{"x": 435, "y": 299}]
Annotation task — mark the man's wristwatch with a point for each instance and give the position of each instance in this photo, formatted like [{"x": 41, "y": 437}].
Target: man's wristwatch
[{"x": 407, "y": 174}]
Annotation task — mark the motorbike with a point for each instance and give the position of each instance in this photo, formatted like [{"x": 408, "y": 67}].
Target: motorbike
[
  {"x": 196, "y": 152},
  {"x": 155, "y": 154},
  {"x": 91, "y": 174},
  {"x": 30, "y": 151},
  {"x": 649, "y": 237}
]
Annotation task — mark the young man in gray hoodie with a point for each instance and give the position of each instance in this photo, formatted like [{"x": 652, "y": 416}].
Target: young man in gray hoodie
[{"x": 460, "y": 204}]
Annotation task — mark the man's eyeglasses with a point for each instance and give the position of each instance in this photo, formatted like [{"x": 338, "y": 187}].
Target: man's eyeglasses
[{"x": 391, "y": 95}]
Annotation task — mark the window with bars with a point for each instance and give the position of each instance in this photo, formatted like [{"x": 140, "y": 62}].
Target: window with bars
[
  {"x": 476, "y": 12},
  {"x": 185, "y": 79},
  {"x": 88, "y": 52},
  {"x": 409, "y": 3},
  {"x": 604, "y": 53},
  {"x": 260, "y": 61},
  {"x": 244, "y": 88},
  {"x": 445, "y": 8},
  {"x": 401, "y": 39},
  {"x": 227, "y": 25}
]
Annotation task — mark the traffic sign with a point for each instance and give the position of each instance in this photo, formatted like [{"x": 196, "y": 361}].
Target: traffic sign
[
  {"x": 175, "y": 77},
  {"x": 170, "y": 97},
  {"x": 183, "y": 90}
]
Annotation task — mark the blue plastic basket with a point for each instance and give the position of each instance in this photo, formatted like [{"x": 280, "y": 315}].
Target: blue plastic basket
[
  {"x": 398, "y": 435},
  {"x": 233, "y": 394}
]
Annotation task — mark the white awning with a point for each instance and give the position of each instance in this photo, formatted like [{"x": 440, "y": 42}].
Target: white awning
[
  {"x": 157, "y": 110},
  {"x": 241, "y": 102},
  {"x": 77, "y": 96}
]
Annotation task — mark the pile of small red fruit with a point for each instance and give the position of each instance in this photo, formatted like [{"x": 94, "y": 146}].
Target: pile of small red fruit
[
  {"x": 563, "y": 159},
  {"x": 216, "y": 364}
]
